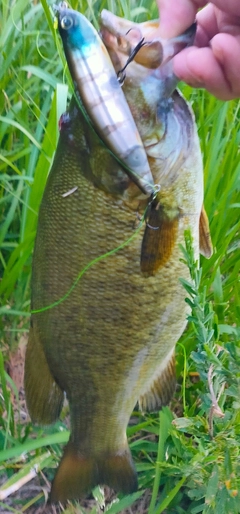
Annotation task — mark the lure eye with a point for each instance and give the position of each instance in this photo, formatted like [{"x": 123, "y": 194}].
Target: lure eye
[{"x": 66, "y": 22}]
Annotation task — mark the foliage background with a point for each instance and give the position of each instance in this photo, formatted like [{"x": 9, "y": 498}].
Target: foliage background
[{"x": 193, "y": 467}]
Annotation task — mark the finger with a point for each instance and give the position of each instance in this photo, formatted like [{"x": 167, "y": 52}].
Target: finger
[
  {"x": 226, "y": 50},
  {"x": 207, "y": 25},
  {"x": 213, "y": 21},
  {"x": 199, "y": 67},
  {"x": 228, "y": 6},
  {"x": 176, "y": 17}
]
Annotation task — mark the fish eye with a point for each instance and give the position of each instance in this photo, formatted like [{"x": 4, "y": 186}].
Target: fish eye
[{"x": 66, "y": 22}]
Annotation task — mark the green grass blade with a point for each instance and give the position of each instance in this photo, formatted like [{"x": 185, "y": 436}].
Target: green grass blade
[
  {"x": 13, "y": 453},
  {"x": 165, "y": 419}
]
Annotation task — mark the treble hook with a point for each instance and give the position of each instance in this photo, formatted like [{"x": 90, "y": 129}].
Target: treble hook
[{"x": 120, "y": 74}]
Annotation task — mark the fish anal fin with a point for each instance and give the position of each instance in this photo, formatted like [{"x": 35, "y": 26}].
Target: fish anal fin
[
  {"x": 162, "y": 388},
  {"x": 43, "y": 396},
  {"x": 78, "y": 474},
  {"x": 158, "y": 240},
  {"x": 205, "y": 242}
]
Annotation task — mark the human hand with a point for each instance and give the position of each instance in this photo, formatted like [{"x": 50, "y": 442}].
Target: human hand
[{"x": 214, "y": 60}]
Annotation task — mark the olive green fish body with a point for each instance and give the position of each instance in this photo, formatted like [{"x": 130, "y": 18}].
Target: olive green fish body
[
  {"x": 110, "y": 343},
  {"x": 114, "y": 307}
]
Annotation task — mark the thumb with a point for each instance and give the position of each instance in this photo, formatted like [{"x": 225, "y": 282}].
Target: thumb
[{"x": 176, "y": 16}]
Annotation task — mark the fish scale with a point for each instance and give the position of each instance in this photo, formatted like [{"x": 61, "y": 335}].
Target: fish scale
[{"x": 110, "y": 343}]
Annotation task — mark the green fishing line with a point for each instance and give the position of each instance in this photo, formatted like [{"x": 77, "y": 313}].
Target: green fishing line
[{"x": 89, "y": 265}]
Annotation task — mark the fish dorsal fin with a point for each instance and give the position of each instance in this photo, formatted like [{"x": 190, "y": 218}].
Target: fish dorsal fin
[
  {"x": 158, "y": 239},
  {"x": 205, "y": 242},
  {"x": 162, "y": 388}
]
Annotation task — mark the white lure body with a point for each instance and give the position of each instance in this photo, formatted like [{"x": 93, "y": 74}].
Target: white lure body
[{"x": 102, "y": 97}]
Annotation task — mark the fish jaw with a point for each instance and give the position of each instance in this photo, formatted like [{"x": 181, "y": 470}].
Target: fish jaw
[
  {"x": 121, "y": 37},
  {"x": 102, "y": 97}
]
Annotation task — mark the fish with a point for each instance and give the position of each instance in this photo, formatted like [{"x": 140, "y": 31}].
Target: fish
[
  {"x": 101, "y": 94},
  {"x": 107, "y": 304}
]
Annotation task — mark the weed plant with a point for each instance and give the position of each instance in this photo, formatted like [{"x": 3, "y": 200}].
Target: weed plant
[{"x": 187, "y": 457}]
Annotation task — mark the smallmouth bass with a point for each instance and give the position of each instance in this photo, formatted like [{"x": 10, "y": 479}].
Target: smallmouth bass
[{"x": 110, "y": 343}]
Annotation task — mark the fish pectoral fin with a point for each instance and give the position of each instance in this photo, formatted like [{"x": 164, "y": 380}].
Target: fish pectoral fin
[
  {"x": 161, "y": 389},
  {"x": 43, "y": 396},
  {"x": 78, "y": 474},
  {"x": 205, "y": 242},
  {"x": 158, "y": 240}
]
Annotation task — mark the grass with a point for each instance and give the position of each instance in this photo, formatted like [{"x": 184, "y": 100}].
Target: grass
[{"x": 187, "y": 457}]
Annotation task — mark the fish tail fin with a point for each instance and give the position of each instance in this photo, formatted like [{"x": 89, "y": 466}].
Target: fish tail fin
[
  {"x": 75, "y": 476},
  {"x": 78, "y": 474},
  {"x": 118, "y": 472},
  {"x": 43, "y": 395}
]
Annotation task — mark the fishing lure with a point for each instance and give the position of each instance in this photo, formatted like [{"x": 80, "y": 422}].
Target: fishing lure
[{"x": 101, "y": 95}]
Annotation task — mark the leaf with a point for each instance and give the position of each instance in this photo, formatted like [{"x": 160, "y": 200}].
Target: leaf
[
  {"x": 118, "y": 506},
  {"x": 227, "y": 329},
  {"x": 20, "y": 449},
  {"x": 166, "y": 502},
  {"x": 212, "y": 487},
  {"x": 25, "y": 474},
  {"x": 183, "y": 423}
]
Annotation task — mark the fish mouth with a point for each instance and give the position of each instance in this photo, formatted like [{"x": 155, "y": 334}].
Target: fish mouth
[{"x": 122, "y": 36}]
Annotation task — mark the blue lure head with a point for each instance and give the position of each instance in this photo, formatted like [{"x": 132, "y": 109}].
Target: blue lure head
[{"x": 75, "y": 30}]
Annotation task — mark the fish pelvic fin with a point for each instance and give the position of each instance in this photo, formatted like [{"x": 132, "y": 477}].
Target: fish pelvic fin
[
  {"x": 78, "y": 474},
  {"x": 162, "y": 388},
  {"x": 158, "y": 239},
  {"x": 43, "y": 396},
  {"x": 205, "y": 242}
]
